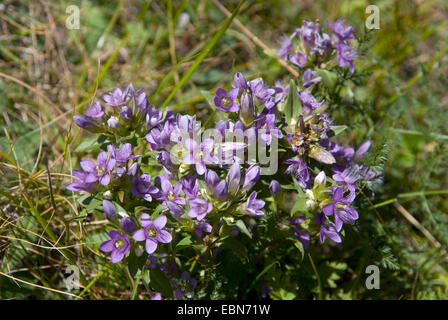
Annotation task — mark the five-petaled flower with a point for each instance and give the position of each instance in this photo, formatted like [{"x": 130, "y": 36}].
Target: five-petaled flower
[{"x": 152, "y": 232}]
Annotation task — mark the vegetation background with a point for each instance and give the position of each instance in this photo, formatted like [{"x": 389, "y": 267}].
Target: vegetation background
[{"x": 48, "y": 73}]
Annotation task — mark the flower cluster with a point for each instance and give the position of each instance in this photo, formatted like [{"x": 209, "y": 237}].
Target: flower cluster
[
  {"x": 315, "y": 46},
  {"x": 186, "y": 184}
]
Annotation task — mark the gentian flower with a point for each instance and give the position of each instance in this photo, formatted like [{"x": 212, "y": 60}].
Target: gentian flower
[
  {"x": 327, "y": 229},
  {"x": 126, "y": 113},
  {"x": 303, "y": 235},
  {"x": 128, "y": 225},
  {"x": 299, "y": 170},
  {"x": 299, "y": 59},
  {"x": 86, "y": 123},
  {"x": 260, "y": 90},
  {"x": 275, "y": 187},
  {"x": 202, "y": 226},
  {"x": 153, "y": 117},
  {"x": 123, "y": 154},
  {"x": 308, "y": 32},
  {"x": 142, "y": 187},
  {"x": 253, "y": 205},
  {"x": 119, "y": 245},
  {"x": 240, "y": 81},
  {"x": 116, "y": 98},
  {"x": 342, "y": 32},
  {"x": 346, "y": 55},
  {"x": 309, "y": 103},
  {"x": 341, "y": 209},
  {"x": 347, "y": 177},
  {"x": 112, "y": 122},
  {"x": 109, "y": 209},
  {"x": 226, "y": 101},
  {"x": 152, "y": 232},
  {"x": 199, "y": 155},
  {"x": 80, "y": 183},
  {"x": 199, "y": 208},
  {"x": 310, "y": 78},
  {"x": 99, "y": 171},
  {"x": 94, "y": 111},
  {"x": 251, "y": 177},
  {"x": 269, "y": 129}
]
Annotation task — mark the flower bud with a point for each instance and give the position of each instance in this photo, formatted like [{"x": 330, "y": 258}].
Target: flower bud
[{"x": 247, "y": 109}]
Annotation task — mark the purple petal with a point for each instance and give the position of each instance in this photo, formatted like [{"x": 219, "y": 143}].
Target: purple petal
[
  {"x": 139, "y": 235},
  {"x": 160, "y": 222},
  {"x": 150, "y": 246},
  {"x": 164, "y": 236}
]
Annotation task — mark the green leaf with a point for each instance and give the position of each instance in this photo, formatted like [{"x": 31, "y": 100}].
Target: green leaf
[
  {"x": 159, "y": 282},
  {"x": 209, "y": 98},
  {"x": 338, "y": 129},
  {"x": 242, "y": 226},
  {"x": 184, "y": 242},
  {"x": 293, "y": 106},
  {"x": 329, "y": 78}
]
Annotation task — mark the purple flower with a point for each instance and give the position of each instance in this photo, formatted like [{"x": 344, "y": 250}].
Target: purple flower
[
  {"x": 253, "y": 205},
  {"x": 142, "y": 187},
  {"x": 342, "y": 32},
  {"x": 299, "y": 170},
  {"x": 310, "y": 78},
  {"x": 141, "y": 102},
  {"x": 322, "y": 44},
  {"x": 99, "y": 171},
  {"x": 112, "y": 122},
  {"x": 303, "y": 235},
  {"x": 116, "y": 98},
  {"x": 251, "y": 177},
  {"x": 86, "y": 123},
  {"x": 128, "y": 225},
  {"x": 170, "y": 194},
  {"x": 202, "y": 226},
  {"x": 286, "y": 45},
  {"x": 165, "y": 160},
  {"x": 309, "y": 103},
  {"x": 190, "y": 186},
  {"x": 109, "y": 209},
  {"x": 226, "y": 101},
  {"x": 156, "y": 296},
  {"x": 247, "y": 111},
  {"x": 123, "y": 154},
  {"x": 327, "y": 229},
  {"x": 347, "y": 177},
  {"x": 308, "y": 32},
  {"x": 80, "y": 183},
  {"x": 152, "y": 232},
  {"x": 296, "y": 141},
  {"x": 260, "y": 90},
  {"x": 199, "y": 208},
  {"x": 233, "y": 179},
  {"x": 346, "y": 55},
  {"x": 240, "y": 81},
  {"x": 160, "y": 137},
  {"x": 126, "y": 113},
  {"x": 275, "y": 187},
  {"x": 94, "y": 111},
  {"x": 218, "y": 188},
  {"x": 201, "y": 154},
  {"x": 269, "y": 129},
  {"x": 343, "y": 213},
  {"x": 362, "y": 150},
  {"x": 153, "y": 117},
  {"x": 119, "y": 245},
  {"x": 299, "y": 59}
]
